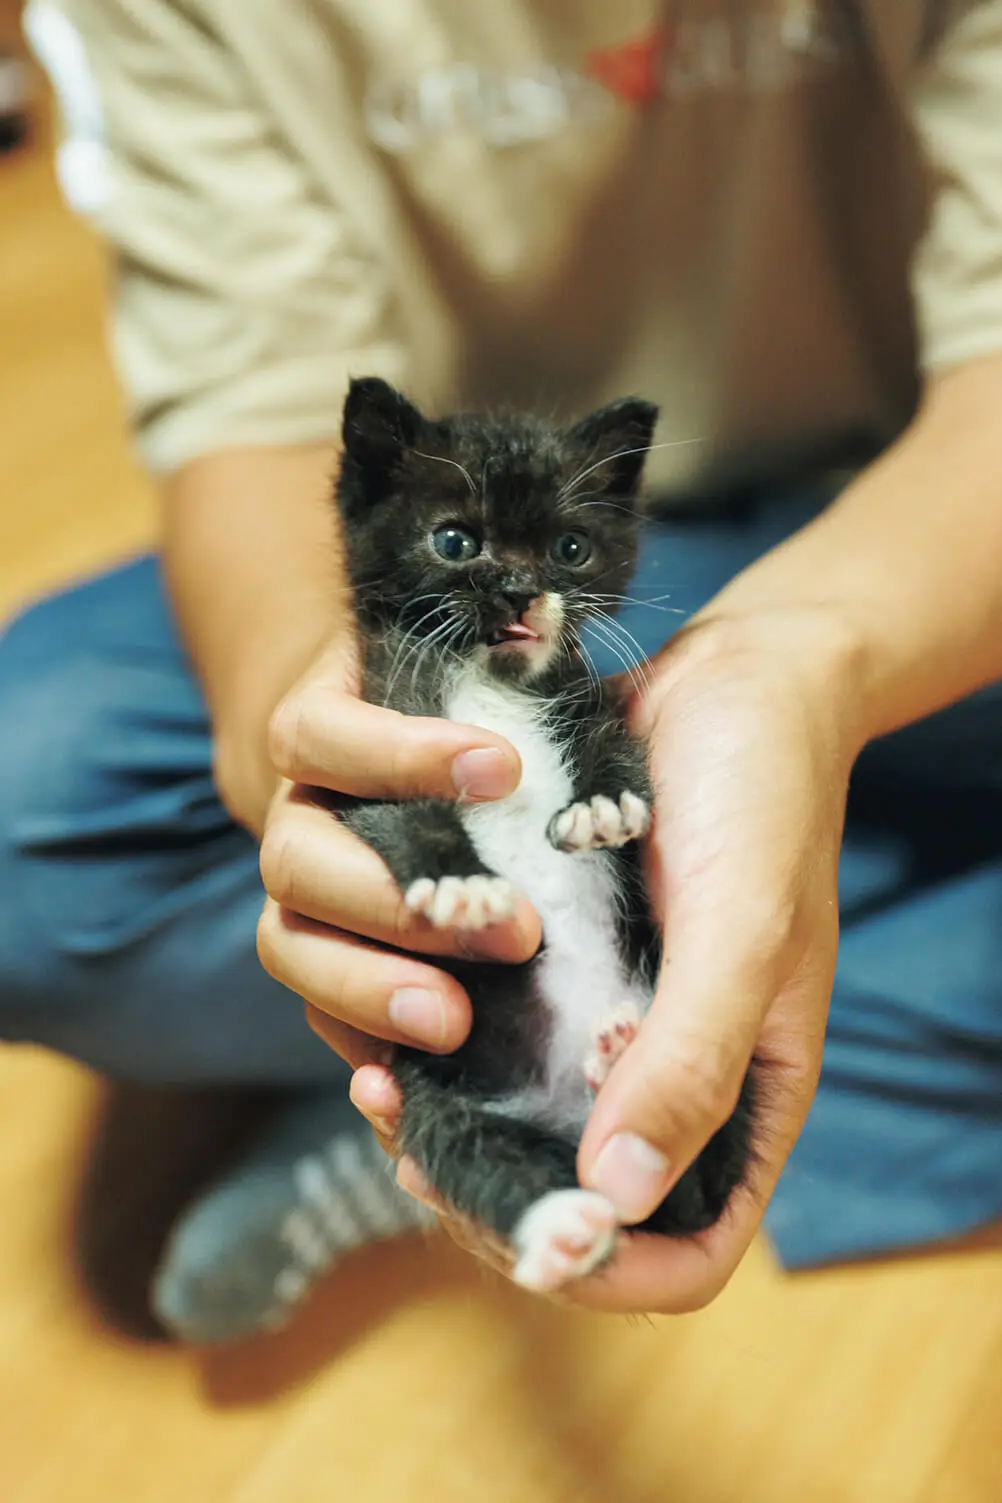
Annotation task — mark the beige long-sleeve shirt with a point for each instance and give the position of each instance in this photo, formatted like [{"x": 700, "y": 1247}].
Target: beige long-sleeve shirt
[{"x": 770, "y": 216}]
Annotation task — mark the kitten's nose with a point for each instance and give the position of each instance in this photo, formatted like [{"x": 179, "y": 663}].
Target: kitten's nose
[{"x": 519, "y": 599}]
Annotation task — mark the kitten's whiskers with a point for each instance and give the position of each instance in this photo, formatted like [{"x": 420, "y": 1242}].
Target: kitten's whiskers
[
  {"x": 572, "y": 484},
  {"x": 409, "y": 644},
  {"x": 441, "y": 459}
]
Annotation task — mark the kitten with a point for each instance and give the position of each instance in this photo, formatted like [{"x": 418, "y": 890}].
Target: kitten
[{"x": 477, "y": 548}]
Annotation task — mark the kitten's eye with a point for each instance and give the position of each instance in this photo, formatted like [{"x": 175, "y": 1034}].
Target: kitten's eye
[
  {"x": 573, "y": 549},
  {"x": 454, "y": 544}
]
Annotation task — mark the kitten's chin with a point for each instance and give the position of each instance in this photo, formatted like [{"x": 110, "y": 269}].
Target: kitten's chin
[{"x": 517, "y": 659}]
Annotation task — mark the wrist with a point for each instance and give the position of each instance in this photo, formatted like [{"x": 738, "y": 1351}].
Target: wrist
[
  {"x": 266, "y": 672},
  {"x": 254, "y": 566},
  {"x": 814, "y": 655}
]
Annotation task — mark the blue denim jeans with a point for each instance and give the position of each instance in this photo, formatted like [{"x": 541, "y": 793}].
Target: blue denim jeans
[{"x": 130, "y": 899}]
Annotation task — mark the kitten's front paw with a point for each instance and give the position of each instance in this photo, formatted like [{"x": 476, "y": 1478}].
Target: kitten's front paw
[
  {"x": 600, "y": 823},
  {"x": 462, "y": 902},
  {"x": 564, "y": 1236},
  {"x": 612, "y": 1040}
]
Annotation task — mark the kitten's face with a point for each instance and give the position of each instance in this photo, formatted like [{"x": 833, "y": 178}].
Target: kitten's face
[{"x": 495, "y": 536}]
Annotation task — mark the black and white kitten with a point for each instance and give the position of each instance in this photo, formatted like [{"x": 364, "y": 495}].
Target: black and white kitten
[{"x": 477, "y": 548}]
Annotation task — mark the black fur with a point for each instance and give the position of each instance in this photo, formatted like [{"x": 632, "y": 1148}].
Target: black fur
[{"x": 516, "y": 484}]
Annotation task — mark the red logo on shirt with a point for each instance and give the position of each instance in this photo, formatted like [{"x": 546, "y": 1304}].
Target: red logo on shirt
[{"x": 633, "y": 71}]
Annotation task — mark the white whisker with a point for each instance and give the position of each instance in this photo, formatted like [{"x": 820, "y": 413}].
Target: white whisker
[
  {"x": 439, "y": 638},
  {"x": 624, "y": 646},
  {"x": 618, "y": 650},
  {"x": 572, "y": 484},
  {"x": 441, "y": 459},
  {"x": 652, "y": 604},
  {"x": 410, "y": 642}
]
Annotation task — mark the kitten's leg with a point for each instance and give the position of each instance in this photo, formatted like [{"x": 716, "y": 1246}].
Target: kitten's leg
[
  {"x": 612, "y": 1039},
  {"x": 434, "y": 862},
  {"x": 612, "y": 795},
  {"x": 508, "y": 1176},
  {"x": 565, "y": 1235}
]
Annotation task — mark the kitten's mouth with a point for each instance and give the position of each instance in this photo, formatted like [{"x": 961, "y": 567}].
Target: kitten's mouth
[
  {"x": 515, "y": 633},
  {"x": 524, "y": 646}
]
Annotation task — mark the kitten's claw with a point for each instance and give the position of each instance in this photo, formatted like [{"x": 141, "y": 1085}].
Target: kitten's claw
[
  {"x": 600, "y": 823},
  {"x": 462, "y": 902},
  {"x": 565, "y": 1235},
  {"x": 612, "y": 1040}
]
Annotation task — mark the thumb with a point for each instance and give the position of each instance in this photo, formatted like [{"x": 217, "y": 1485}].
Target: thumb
[
  {"x": 680, "y": 1080},
  {"x": 326, "y": 738}
]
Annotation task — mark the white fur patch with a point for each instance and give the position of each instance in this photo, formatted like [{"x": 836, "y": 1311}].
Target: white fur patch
[
  {"x": 564, "y": 1236},
  {"x": 581, "y": 973}
]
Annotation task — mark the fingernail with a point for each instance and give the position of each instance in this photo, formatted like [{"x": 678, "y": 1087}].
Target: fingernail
[
  {"x": 632, "y": 1174},
  {"x": 482, "y": 773},
  {"x": 419, "y": 1014}
]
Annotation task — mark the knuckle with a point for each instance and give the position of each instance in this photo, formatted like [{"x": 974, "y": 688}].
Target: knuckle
[
  {"x": 691, "y": 1099},
  {"x": 403, "y": 772},
  {"x": 278, "y": 859},
  {"x": 400, "y": 921},
  {"x": 287, "y": 734},
  {"x": 268, "y": 935}
]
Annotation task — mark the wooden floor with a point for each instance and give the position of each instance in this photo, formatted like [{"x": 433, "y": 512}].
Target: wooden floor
[{"x": 414, "y": 1378}]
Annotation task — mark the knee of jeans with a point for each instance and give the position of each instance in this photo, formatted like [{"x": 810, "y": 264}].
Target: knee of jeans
[
  {"x": 46, "y": 727},
  {"x": 63, "y": 743}
]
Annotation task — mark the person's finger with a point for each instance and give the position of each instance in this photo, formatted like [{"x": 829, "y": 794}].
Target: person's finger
[
  {"x": 315, "y": 867},
  {"x": 413, "y": 1182},
  {"x": 680, "y": 1080},
  {"x": 379, "y": 992},
  {"x": 675, "y": 1275},
  {"x": 331, "y": 740},
  {"x": 673, "y": 1088},
  {"x": 649, "y": 1273},
  {"x": 655, "y": 1275},
  {"x": 377, "y": 1096},
  {"x": 355, "y": 1047}
]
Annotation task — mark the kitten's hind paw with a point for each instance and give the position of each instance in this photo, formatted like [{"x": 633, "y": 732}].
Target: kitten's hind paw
[
  {"x": 600, "y": 823},
  {"x": 462, "y": 902},
  {"x": 565, "y": 1235},
  {"x": 612, "y": 1040}
]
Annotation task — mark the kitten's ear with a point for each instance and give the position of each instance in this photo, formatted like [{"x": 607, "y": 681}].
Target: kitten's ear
[
  {"x": 618, "y": 438},
  {"x": 378, "y": 424}
]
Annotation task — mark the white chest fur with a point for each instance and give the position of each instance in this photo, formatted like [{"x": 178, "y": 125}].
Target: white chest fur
[{"x": 581, "y": 974}]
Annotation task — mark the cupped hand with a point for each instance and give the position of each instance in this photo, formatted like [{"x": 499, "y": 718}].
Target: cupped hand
[
  {"x": 753, "y": 734},
  {"x": 332, "y": 907}
]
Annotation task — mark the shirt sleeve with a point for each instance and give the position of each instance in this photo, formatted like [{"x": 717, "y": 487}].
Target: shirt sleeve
[
  {"x": 957, "y": 271},
  {"x": 242, "y": 296}
]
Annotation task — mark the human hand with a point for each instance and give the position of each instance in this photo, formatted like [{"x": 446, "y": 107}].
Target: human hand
[
  {"x": 751, "y": 726},
  {"x": 331, "y": 902}
]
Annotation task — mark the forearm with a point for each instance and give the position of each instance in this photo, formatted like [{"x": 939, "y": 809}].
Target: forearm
[
  {"x": 255, "y": 572},
  {"x": 902, "y": 576}
]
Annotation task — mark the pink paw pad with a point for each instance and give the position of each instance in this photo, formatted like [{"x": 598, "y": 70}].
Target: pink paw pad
[{"x": 612, "y": 1040}]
